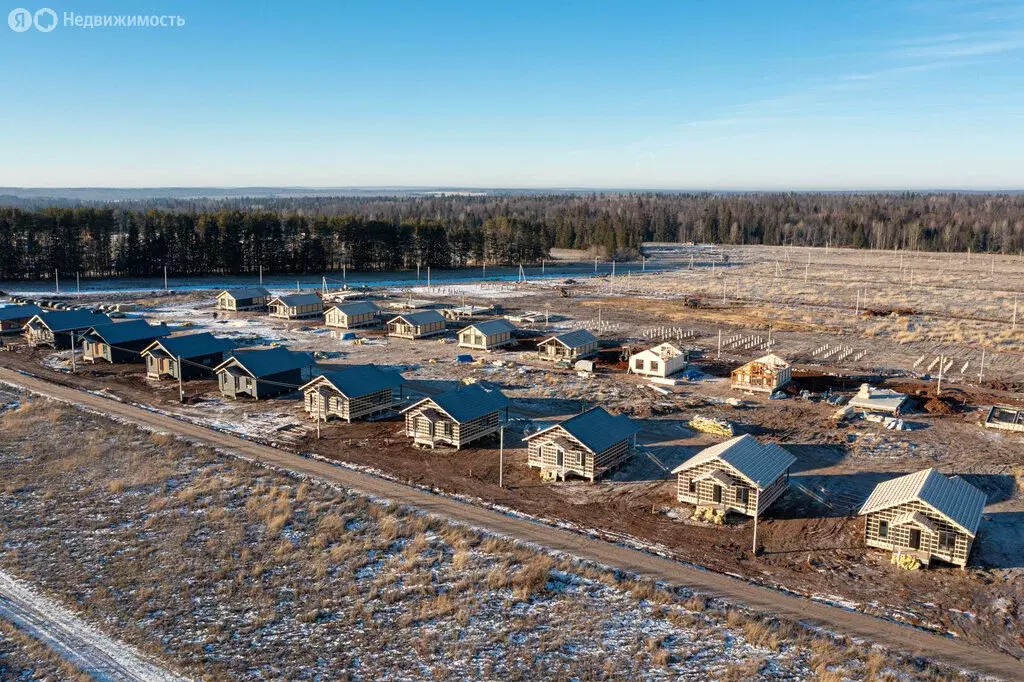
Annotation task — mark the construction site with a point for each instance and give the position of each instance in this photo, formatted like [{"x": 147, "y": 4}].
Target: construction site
[{"x": 933, "y": 337}]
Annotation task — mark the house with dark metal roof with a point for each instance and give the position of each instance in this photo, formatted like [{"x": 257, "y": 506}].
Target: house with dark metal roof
[
  {"x": 567, "y": 346},
  {"x": 261, "y": 374},
  {"x": 740, "y": 475},
  {"x": 14, "y": 317},
  {"x": 296, "y": 306},
  {"x": 457, "y": 417},
  {"x": 352, "y": 315},
  {"x": 243, "y": 298},
  {"x": 62, "y": 329},
  {"x": 121, "y": 341},
  {"x": 185, "y": 357},
  {"x": 351, "y": 392},
  {"x": 486, "y": 335},
  {"x": 416, "y": 325},
  {"x": 925, "y": 515},
  {"x": 589, "y": 445}
]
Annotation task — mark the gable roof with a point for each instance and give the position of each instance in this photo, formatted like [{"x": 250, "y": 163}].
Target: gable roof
[
  {"x": 574, "y": 339},
  {"x": 499, "y": 326},
  {"x": 419, "y": 317},
  {"x": 19, "y": 312},
  {"x": 356, "y": 308},
  {"x": 956, "y": 499},
  {"x": 772, "y": 360},
  {"x": 596, "y": 428},
  {"x": 245, "y": 292},
  {"x": 663, "y": 351},
  {"x": 191, "y": 345},
  {"x": 128, "y": 331},
  {"x": 66, "y": 320},
  {"x": 761, "y": 463},
  {"x": 466, "y": 403},
  {"x": 291, "y": 300},
  {"x": 262, "y": 363},
  {"x": 356, "y": 381}
]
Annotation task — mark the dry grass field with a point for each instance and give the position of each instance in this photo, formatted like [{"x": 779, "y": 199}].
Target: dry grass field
[
  {"x": 25, "y": 658},
  {"x": 225, "y": 570}
]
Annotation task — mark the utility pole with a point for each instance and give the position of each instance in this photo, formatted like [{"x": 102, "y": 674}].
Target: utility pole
[
  {"x": 428, "y": 276},
  {"x": 261, "y": 275},
  {"x": 981, "y": 374},
  {"x": 165, "y": 278},
  {"x": 56, "y": 280},
  {"x": 501, "y": 456},
  {"x": 719, "y": 356},
  {"x": 543, "y": 265},
  {"x": 643, "y": 267},
  {"x": 181, "y": 385},
  {"x": 856, "y": 311},
  {"x": 754, "y": 548},
  {"x": 595, "y": 265},
  {"x": 942, "y": 363},
  {"x": 1013, "y": 327},
  {"x": 74, "y": 368},
  {"x": 78, "y": 282}
]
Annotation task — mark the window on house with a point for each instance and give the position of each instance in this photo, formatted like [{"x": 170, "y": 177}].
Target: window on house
[
  {"x": 883, "y": 528},
  {"x": 742, "y": 494},
  {"x": 692, "y": 486},
  {"x": 579, "y": 459},
  {"x": 638, "y": 363},
  {"x": 655, "y": 365},
  {"x": 947, "y": 540}
]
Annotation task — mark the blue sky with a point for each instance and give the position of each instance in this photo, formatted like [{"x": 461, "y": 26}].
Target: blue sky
[{"x": 675, "y": 95}]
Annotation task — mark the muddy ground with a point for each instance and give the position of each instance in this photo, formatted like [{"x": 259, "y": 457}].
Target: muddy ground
[{"x": 811, "y": 539}]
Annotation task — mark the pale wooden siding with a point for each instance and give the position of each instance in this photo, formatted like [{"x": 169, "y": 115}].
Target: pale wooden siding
[
  {"x": 542, "y": 453},
  {"x": 402, "y": 330},
  {"x": 470, "y": 338},
  {"x": 448, "y": 431},
  {"x": 731, "y": 495},
  {"x": 329, "y": 403},
  {"x": 335, "y": 318},
  {"x": 899, "y": 538},
  {"x": 554, "y": 350},
  {"x": 282, "y": 311}
]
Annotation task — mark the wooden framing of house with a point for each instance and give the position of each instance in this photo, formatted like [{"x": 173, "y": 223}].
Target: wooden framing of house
[
  {"x": 246, "y": 298},
  {"x": 351, "y": 393},
  {"x": 766, "y": 374},
  {"x": 925, "y": 515},
  {"x": 352, "y": 315},
  {"x": 661, "y": 361},
  {"x": 739, "y": 475},
  {"x": 121, "y": 342},
  {"x": 486, "y": 335},
  {"x": 61, "y": 329},
  {"x": 568, "y": 346},
  {"x": 416, "y": 325},
  {"x": 13, "y": 318},
  {"x": 261, "y": 374},
  {"x": 588, "y": 445},
  {"x": 456, "y": 418},
  {"x": 186, "y": 357},
  {"x": 296, "y": 306}
]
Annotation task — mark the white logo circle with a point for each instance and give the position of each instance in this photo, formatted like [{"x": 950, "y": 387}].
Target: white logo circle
[
  {"x": 20, "y": 20},
  {"x": 49, "y": 20}
]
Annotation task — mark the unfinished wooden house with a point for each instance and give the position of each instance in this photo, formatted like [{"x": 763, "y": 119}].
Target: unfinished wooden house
[
  {"x": 185, "y": 357},
  {"x": 1005, "y": 417},
  {"x": 767, "y": 374},
  {"x": 883, "y": 400},
  {"x": 417, "y": 325},
  {"x": 121, "y": 341},
  {"x": 62, "y": 329},
  {"x": 245, "y": 298},
  {"x": 740, "y": 475},
  {"x": 661, "y": 361},
  {"x": 261, "y": 374},
  {"x": 352, "y": 315},
  {"x": 925, "y": 515},
  {"x": 486, "y": 335},
  {"x": 296, "y": 306},
  {"x": 351, "y": 392},
  {"x": 13, "y": 318},
  {"x": 568, "y": 346},
  {"x": 587, "y": 445},
  {"x": 457, "y": 417}
]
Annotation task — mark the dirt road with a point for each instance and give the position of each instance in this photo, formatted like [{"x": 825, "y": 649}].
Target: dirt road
[
  {"x": 74, "y": 640},
  {"x": 736, "y": 591}
]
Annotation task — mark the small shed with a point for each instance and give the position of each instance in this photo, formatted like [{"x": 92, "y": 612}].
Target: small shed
[
  {"x": 62, "y": 329},
  {"x": 568, "y": 346},
  {"x": 416, "y": 325},
  {"x": 766, "y": 374},
  {"x": 587, "y": 445},
  {"x": 296, "y": 306},
  {"x": 740, "y": 475},
  {"x": 486, "y": 335},
  {"x": 261, "y": 374},
  {"x": 185, "y": 357},
  {"x": 925, "y": 515},
  {"x": 882, "y": 400},
  {"x": 661, "y": 361},
  {"x": 351, "y": 315},
  {"x": 244, "y": 298},
  {"x": 457, "y": 417},
  {"x": 351, "y": 392},
  {"x": 14, "y": 317},
  {"x": 121, "y": 341}
]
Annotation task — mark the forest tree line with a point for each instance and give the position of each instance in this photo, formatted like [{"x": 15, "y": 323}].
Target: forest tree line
[{"x": 323, "y": 234}]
